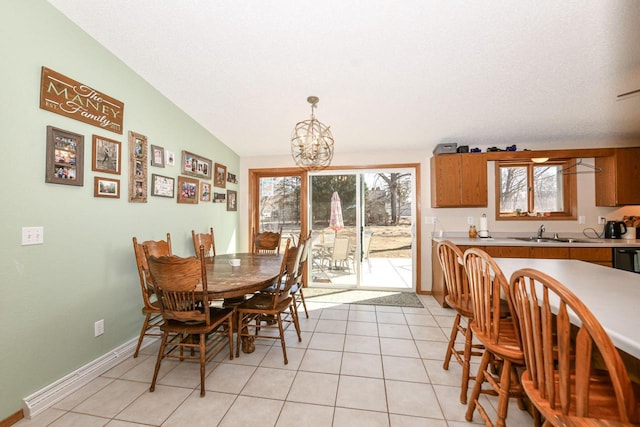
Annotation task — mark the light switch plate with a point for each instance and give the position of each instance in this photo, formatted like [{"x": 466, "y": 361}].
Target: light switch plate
[{"x": 32, "y": 235}]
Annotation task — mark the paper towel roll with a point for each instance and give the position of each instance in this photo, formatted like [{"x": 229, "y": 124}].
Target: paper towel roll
[{"x": 484, "y": 228}]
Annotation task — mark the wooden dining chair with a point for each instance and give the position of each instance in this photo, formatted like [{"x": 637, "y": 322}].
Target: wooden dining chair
[
  {"x": 150, "y": 307},
  {"x": 495, "y": 327},
  {"x": 271, "y": 305},
  {"x": 299, "y": 282},
  {"x": 267, "y": 242},
  {"x": 189, "y": 321},
  {"x": 458, "y": 298},
  {"x": 207, "y": 240},
  {"x": 158, "y": 247},
  {"x": 572, "y": 370}
]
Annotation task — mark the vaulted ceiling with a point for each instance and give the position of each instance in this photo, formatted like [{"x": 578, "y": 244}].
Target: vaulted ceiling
[{"x": 390, "y": 74}]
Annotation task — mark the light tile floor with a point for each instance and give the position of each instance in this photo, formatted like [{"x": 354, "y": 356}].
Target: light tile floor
[{"x": 357, "y": 365}]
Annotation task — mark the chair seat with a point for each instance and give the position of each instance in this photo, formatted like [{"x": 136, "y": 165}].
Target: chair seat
[
  {"x": 464, "y": 310},
  {"x": 263, "y": 302},
  {"x": 217, "y": 315},
  {"x": 508, "y": 347},
  {"x": 602, "y": 398}
]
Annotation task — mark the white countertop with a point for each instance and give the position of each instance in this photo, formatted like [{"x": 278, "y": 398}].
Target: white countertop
[
  {"x": 613, "y": 296},
  {"x": 504, "y": 241}
]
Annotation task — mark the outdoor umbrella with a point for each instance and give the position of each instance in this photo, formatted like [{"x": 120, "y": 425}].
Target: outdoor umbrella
[{"x": 336, "y": 222}]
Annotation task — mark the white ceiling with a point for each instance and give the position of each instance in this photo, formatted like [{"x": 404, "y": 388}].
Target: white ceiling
[{"x": 403, "y": 74}]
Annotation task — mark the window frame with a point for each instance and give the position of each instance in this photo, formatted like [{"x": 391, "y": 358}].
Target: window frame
[{"x": 569, "y": 191}]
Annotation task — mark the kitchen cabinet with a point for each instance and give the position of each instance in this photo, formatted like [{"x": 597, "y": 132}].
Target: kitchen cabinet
[
  {"x": 602, "y": 256},
  {"x": 616, "y": 184},
  {"x": 459, "y": 180}
]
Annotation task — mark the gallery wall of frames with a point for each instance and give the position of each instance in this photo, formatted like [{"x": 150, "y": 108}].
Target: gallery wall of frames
[{"x": 198, "y": 179}]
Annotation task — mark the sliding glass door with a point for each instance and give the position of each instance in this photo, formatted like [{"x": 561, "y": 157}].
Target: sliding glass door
[{"x": 363, "y": 229}]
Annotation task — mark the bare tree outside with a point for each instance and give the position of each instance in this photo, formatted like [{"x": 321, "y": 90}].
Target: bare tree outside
[
  {"x": 546, "y": 188},
  {"x": 280, "y": 203}
]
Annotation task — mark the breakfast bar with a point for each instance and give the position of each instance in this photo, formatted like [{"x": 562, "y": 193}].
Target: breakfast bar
[{"x": 611, "y": 295}]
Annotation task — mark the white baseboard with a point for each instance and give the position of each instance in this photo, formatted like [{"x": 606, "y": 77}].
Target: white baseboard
[{"x": 58, "y": 390}]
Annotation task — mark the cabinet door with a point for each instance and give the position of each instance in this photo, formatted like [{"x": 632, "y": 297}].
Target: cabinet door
[
  {"x": 617, "y": 183},
  {"x": 473, "y": 180},
  {"x": 627, "y": 173},
  {"x": 507, "y": 251},
  {"x": 445, "y": 181},
  {"x": 550, "y": 252},
  {"x": 601, "y": 256},
  {"x": 458, "y": 180}
]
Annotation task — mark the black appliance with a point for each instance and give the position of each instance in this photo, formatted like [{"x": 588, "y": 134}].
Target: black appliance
[
  {"x": 614, "y": 229},
  {"x": 627, "y": 259}
]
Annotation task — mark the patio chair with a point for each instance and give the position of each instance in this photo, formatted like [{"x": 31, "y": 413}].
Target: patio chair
[{"x": 339, "y": 253}]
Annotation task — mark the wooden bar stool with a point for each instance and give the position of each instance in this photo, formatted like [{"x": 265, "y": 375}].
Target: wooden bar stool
[
  {"x": 495, "y": 327},
  {"x": 459, "y": 299},
  {"x": 561, "y": 378}
]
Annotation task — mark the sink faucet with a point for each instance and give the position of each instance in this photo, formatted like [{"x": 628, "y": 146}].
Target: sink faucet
[{"x": 541, "y": 230}]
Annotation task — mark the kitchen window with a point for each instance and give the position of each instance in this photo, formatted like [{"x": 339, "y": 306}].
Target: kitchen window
[{"x": 528, "y": 190}]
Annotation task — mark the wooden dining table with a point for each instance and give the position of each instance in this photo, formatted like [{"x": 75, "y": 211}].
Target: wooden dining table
[
  {"x": 255, "y": 272},
  {"x": 232, "y": 283}
]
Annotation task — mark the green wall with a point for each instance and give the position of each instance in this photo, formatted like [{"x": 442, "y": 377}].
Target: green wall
[{"x": 51, "y": 294}]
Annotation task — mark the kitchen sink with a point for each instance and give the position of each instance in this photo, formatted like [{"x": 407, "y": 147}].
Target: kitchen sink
[{"x": 552, "y": 240}]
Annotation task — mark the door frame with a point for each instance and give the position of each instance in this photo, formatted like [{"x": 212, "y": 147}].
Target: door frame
[{"x": 254, "y": 191}]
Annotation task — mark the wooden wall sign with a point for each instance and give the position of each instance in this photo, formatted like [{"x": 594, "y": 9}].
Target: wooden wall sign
[{"x": 62, "y": 95}]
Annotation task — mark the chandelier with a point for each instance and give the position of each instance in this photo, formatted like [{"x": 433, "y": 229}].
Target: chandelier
[{"x": 312, "y": 142}]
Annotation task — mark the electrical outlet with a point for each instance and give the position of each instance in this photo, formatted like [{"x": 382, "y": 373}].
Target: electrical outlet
[
  {"x": 434, "y": 220},
  {"x": 98, "y": 327},
  {"x": 602, "y": 220},
  {"x": 469, "y": 220},
  {"x": 582, "y": 219}
]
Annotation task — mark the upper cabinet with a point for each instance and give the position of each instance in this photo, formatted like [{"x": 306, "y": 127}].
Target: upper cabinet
[
  {"x": 618, "y": 182},
  {"x": 459, "y": 180}
]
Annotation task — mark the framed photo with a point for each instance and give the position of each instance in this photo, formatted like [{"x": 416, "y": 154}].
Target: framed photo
[
  {"x": 219, "y": 197},
  {"x": 162, "y": 186},
  {"x": 106, "y": 155},
  {"x": 157, "y": 156},
  {"x": 195, "y": 165},
  {"x": 137, "y": 168},
  {"x": 187, "y": 190},
  {"x": 232, "y": 200},
  {"x": 231, "y": 178},
  {"x": 220, "y": 178},
  {"x": 106, "y": 187},
  {"x": 170, "y": 158},
  {"x": 205, "y": 191},
  {"x": 65, "y": 157}
]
